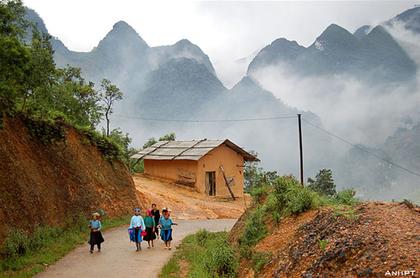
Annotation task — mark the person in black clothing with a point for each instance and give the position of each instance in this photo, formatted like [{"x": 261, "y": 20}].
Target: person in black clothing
[{"x": 156, "y": 215}]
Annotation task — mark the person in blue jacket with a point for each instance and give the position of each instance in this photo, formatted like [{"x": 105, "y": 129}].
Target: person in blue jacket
[
  {"x": 165, "y": 224},
  {"x": 137, "y": 223},
  {"x": 96, "y": 237}
]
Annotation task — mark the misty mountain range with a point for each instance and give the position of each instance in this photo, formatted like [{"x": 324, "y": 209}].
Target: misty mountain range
[
  {"x": 179, "y": 82},
  {"x": 372, "y": 56}
]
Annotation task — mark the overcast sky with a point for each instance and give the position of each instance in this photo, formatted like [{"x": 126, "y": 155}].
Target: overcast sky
[{"x": 224, "y": 30}]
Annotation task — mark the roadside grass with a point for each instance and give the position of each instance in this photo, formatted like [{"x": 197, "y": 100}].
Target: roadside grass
[
  {"x": 285, "y": 197},
  {"x": 24, "y": 256},
  {"x": 203, "y": 255},
  {"x": 207, "y": 254}
]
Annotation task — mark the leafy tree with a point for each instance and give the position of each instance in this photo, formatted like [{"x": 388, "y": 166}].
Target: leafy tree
[
  {"x": 150, "y": 142},
  {"x": 255, "y": 176},
  {"x": 323, "y": 183},
  {"x": 41, "y": 66},
  {"x": 167, "y": 137},
  {"x": 76, "y": 98},
  {"x": 14, "y": 55},
  {"x": 109, "y": 94}
]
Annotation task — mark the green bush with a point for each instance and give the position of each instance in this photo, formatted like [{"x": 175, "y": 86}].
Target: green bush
[
  {"x": 259, "y": 260},
  {"x": 281, "y": 187},
  {"x": 220, "y": 258},
  {"x": 202, "y": 236},
  {"x": 346, "y": 197},
  {"x": 293, "y": 198},
  {"x": 258, "y": 193},
  {"x": 207, "y": 254},
  {"x": 300, "y": 199},
  {"x": 106, "y": 146},
  {"x": 245, "y": 251},
  {"x": 16, "y": 243},
  {"x": 254, "y": 229},
  {"x": 276, "y": 216},
  {"x": 46, "y": 131},
  {"x": 42, "y": 236}
]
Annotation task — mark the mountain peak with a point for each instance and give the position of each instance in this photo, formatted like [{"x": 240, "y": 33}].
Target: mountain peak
[
  {"x": 362, "y": 31},
  {"x": 334, "y": 32},
  {"x": 335, "y": 38},
  {"x": 282, "y": 42},
  {"x": 122, "y": 25},
  {"x": 413, "y": 12},
  {"x": 380, "y": 35},
  {"x": 280, "y": 50},
  {"x": 122, "y": 35},
  {"x": 184, "y": 42},
  {"x": 410, "y": 18}
]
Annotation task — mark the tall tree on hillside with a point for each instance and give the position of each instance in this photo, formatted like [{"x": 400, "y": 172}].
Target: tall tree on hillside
[
  {"x": 167, "y": 137},
  {"x": 109, "y": 94},
  {"x": 323, "y": 183},
  {"x": 14, "y": 55},
  {"x": 42, "y": 70},
  {"x": 76, "y": 98}
]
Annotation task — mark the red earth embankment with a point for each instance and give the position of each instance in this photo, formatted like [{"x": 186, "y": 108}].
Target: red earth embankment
[
  {"x": 48, "y": 184},
  {"x": 377, "y": 240}
]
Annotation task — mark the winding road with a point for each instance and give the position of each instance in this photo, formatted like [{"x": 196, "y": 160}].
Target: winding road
[{"x": 119, "y": 258}]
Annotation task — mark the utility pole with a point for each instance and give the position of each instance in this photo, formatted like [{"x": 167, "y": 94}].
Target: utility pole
[{"x": 300, "y": 147}]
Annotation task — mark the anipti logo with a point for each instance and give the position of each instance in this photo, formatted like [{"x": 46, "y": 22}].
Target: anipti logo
[{"x": 399, "y": 273}]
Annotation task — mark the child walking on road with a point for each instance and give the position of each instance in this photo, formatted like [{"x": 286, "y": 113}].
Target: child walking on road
[
  {"x": 149, "y": 222},
  {"x": 96, "y": 237},
  {"x": 156, "y": 215},
  {"x": 137, "y": 224},
  {"x": 165, "y": 224}
]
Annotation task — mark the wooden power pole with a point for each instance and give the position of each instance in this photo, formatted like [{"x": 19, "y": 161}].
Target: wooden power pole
[{"x": 300, "y": 147}]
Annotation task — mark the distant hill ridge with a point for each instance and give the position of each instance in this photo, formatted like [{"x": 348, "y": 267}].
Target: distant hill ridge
[{"x": 369, "y": 55}]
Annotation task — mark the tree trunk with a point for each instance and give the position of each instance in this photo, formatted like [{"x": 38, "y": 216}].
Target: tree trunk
[{"x": 107, "y": 124}]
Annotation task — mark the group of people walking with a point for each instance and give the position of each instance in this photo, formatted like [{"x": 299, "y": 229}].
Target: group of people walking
[{"x": 141, "y": 229}]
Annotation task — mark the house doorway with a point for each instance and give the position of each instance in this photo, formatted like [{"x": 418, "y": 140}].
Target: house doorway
[{"x": 211, "y": 183}]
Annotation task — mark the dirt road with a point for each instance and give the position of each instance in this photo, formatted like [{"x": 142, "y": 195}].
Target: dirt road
[
  {"x": 185, "y": 201},
  {"x": 118, "y": 257}
]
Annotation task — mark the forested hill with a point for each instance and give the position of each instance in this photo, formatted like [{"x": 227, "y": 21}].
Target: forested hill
[{"x": 55, "y": 167}]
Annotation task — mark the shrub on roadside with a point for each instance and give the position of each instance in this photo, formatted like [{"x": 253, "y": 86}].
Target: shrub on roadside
[
  {"x": 42, "y": 236},
  {"x": 202, "y": 236},
  {"x": 220, "y": 258},
  {"x": 259, "y": 260},
  {"x": 346, "y": 197},
  {"x": 16, "y": 243},
  {"x": 46, "y": 131},
  {"x": 292, "y": 198},
  {"x": 254, "y": 229},
  {"x": 259, "y": 193}
]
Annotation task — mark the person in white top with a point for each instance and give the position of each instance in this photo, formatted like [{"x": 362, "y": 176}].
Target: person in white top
[{"x": 137, "y": 223}]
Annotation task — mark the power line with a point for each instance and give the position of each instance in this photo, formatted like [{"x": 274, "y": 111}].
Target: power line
[
  {"x": 362, "y": 148},
  {"x": 286, "y": 116}
]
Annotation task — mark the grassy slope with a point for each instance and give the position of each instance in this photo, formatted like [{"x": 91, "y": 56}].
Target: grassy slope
[
  {"x": 271, "y": 205},
  {"x": 53, "y": 249},
  {"x": 203, "y": 255}
]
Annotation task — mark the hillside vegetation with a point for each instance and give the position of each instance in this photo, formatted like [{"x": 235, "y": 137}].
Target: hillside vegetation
[
  {"x": 291, "y": 231},
  {"x": 55, "y": 167},
  {"x": 295, "y": 231}
]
